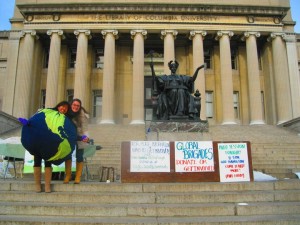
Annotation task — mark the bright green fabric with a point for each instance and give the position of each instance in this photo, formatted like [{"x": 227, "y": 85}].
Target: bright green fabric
[{"x": 55, "y": 121}]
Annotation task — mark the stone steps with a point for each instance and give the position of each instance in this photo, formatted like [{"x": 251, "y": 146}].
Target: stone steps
[
  {"x": 275, "y": 151},
  {"x": 151, "y": 198},
  {"x": 272, "y": 202},
  {"x": 149, "y": 210},
  {"x": 270, "y": 145},
  {"x": 220, "y": 220}
]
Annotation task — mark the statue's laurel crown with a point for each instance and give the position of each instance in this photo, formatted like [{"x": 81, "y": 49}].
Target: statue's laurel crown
[{"x": 173, "y": 62}]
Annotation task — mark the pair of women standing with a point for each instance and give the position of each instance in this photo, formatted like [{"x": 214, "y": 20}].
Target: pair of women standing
[
  {"x": 49, "y": 135},
  {"x": 80, "y": 119}
]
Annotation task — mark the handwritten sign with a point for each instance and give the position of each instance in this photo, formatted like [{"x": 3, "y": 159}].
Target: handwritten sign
[
  {"x": 150, "y": 156},
  {"x": 233, "y": 162},
  {"x": 194, "y": 156}
]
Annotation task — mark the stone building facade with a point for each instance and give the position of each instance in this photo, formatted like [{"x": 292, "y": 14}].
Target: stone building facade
[{"x": 99, "y": 51}]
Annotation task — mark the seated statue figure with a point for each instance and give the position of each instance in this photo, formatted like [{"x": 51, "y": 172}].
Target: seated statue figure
[{"x": 174, "y": 94}]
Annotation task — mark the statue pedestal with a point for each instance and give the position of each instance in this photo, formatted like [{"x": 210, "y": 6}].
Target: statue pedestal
[
  {"x": 179, "y": 126},
  {"x": 179, "y": 118}
]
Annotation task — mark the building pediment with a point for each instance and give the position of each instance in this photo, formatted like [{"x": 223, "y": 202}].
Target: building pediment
[{"x": 28, "y": 10}]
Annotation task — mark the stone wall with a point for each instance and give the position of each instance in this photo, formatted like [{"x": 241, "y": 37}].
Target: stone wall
[{"x": 8, "y": 123}]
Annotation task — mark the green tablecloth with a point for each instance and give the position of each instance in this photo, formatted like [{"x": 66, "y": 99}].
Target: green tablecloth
[
  {"x": 18, "y": 151},
  {"x": 89, "y": 151},
  {"x": 12, "y": 150}
]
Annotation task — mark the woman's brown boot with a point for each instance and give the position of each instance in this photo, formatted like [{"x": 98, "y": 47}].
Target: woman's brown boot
[
  {"x": 68, "y": 171},
  {"x": 37, "y": 178},
  {"x": 48, "y": 178},
  {"x": 79, "y": 167}
]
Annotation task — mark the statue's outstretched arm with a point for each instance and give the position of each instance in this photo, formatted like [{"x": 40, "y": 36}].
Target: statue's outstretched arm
[{"x": 196, "y": 72}]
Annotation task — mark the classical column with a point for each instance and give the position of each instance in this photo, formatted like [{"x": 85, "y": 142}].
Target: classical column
[
  {"x": 291, "y": 48},
  {"x": 256, "y": 110},
  {"x": 198, "y": 60},
  {"x": 63, "y": 65},
  {"x": 109, "y": 76},
  {"x": 53, "y": 67},
  {"x": 282, "y": 86},
  {"x": 23, "y": 96},
  {"x": 138, "y": 76},
  {"x": 12, "y": 64},
  {"x": 169, "y": 47},
  {"x": 81, "y": 76},
  {"x": 226, "y": 76}
]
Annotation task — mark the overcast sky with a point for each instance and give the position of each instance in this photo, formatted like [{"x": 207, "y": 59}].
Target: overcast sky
[{"x": 7, "y": 8}]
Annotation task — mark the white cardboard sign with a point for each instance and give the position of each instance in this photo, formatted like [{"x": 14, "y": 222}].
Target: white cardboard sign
[
  {"x": 194, "y": 156},
  {"x": 150, "y": 156},
  {"x": 233, "y": 162}
]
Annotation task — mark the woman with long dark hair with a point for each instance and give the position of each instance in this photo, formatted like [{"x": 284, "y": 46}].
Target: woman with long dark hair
[
  {"x": 48, "y": 135},
  {"x": 80, "y": 119}
]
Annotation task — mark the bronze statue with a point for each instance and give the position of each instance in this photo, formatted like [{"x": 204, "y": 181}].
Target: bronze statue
[{"x": 172, "y": 94}]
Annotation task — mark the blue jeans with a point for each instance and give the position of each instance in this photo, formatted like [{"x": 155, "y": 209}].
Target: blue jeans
[{"x": 79, "y": 155}]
